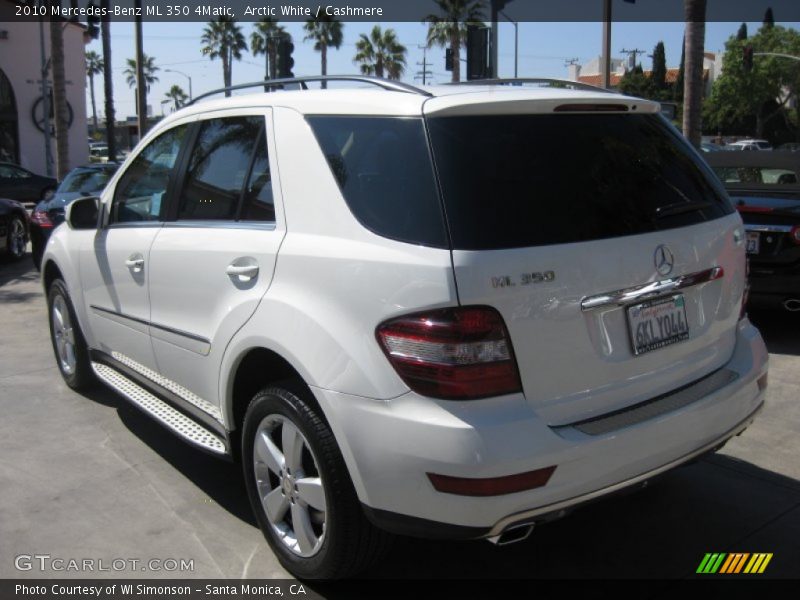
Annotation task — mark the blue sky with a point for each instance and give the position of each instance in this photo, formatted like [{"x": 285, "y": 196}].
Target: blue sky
[{"x": 543, "y": 50}]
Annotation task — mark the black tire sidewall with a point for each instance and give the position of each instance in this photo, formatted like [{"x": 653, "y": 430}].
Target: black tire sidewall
[
  {"x": 81, "y": 377},
  {"x": 290, "y": 405},
  {"x": 11, "y": 220}
]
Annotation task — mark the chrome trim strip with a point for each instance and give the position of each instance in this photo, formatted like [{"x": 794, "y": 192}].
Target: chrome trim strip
[
  {"x": 768, "y": 228},
  {"x": 179, "y": 332},
  {"x": 518, "y": 518},
  {"x": 135, "y": 224},
  {"x": 258, "y": 225},
  {"x": 648, "y": 290}
]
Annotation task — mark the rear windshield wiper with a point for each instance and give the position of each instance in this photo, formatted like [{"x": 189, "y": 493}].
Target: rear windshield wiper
[{"x": 679, "y": 208}]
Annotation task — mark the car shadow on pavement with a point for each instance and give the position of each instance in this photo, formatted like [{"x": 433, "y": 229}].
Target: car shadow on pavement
[
  {"x": 219, "y": 479},
  {"x": 715, "y": 504},
  {"x": 780, "y": 330}
]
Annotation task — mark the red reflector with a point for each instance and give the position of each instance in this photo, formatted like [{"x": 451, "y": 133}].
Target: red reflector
[
  {"x": 795, "y": 234},
  {"x": 743, "y": 208},
  {"x": 494, "y": 486},
  {"x": 459, "y": 353},
  {"x": 41, "y": 219}
]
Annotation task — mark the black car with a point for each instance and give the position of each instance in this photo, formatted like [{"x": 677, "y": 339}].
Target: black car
[
  {"x": 81, "y": 181},
  {"x": 14, "y": 228},
  {"x": 22, "y": 185},
  {"x": 765, "y": 188}
]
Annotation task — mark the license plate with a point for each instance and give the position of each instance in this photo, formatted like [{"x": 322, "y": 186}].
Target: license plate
[
  {"x": 657, "y": 323},
  {"x": 753, "y": 242}
]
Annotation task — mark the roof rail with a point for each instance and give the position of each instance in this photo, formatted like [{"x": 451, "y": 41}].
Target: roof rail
[
  {"x": 301, "y": 82},
  {"x": 577, "y": 85}
]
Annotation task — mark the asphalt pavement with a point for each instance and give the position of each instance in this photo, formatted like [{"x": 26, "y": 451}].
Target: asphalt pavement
[{"x": 89, "y": 477}]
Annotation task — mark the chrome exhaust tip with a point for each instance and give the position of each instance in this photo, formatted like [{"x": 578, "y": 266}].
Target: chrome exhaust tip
[
  {"x": 792, "y": 304},
  {"x": 512, "y": 535}
]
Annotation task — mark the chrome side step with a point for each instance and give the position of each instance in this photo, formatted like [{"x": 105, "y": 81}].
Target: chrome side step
[{"x": 175, "y": 420}]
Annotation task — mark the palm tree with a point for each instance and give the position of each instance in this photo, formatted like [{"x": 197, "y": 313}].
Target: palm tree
[
  {"x": 695, "y": 12},
  {"x": 381, "y": 53},
  {"x": 223, "y": 39},
  {"x": 325, "y": 32},
  {"x": 94, "y": 66},
  {"x": 450, "y": 27},
  {"x": 264, "y": 40},
  {"x": 60, "y": 110},
  {"x": 177, "y": 95},
  {"x": 149, "y": 69}
]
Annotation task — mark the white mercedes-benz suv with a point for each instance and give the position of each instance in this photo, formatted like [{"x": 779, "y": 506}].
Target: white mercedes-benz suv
[{"x": 447, "y": 312}]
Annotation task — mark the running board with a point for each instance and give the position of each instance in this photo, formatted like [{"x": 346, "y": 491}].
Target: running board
[{"x": 189, "y": 429}]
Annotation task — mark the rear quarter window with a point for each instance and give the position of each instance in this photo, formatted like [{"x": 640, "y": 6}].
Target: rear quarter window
[{"x": 383, "y": 168}]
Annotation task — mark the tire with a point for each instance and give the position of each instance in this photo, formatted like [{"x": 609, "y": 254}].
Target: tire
[
  {"x": 311, "y": 486},
  {"x": 69, "y": 345},
  {"x": 16, "y": 238}
]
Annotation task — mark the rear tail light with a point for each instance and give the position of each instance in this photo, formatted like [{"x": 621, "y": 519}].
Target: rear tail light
[
  {"x": 456, "y": 353},
  {"x": 40, "y": 218},
  {"x": 794, "y": 234}
]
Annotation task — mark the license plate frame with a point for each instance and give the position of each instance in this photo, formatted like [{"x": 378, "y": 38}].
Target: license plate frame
[
  {"x": 664, "y": 317},
  {"x": 752, "y": 242}
]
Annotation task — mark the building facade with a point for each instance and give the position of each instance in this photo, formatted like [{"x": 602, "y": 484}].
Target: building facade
[{"x": 22, "y": 138}]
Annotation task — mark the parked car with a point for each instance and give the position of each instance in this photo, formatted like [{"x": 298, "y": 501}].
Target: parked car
[
  {"x": 752, "y": 145},
  {"x": 98, "y": 153},
  {"x": 459, "y": 351},
  {"x": 710, "y": 147},
  {"x": 790, "y": 147},
  {"x": 48, "y": 214},
  {"x": 20, "y": 184},
  {"x": 765, "y": 188},
  {"x": 14, "y": 228}
]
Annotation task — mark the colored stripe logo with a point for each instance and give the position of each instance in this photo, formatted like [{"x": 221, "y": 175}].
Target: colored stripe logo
[{"x": 734, "y": 563}]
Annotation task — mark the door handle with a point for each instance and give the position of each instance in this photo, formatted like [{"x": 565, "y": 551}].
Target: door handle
[
  {"x": 135, "y": 262},
  {"x": 242, "y": 272}
]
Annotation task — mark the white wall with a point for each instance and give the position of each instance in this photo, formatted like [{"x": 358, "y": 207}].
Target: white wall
[{"x": 20, "y": 61}]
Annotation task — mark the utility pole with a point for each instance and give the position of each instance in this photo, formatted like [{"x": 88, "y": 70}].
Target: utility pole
[
  {"x": 605, "y": 61},
  {"x": 493, "y": 41},
  {"x": 424, "y": 64},
  {"x": 633, "y": 53},
  {"x": 141, "y": 84}
]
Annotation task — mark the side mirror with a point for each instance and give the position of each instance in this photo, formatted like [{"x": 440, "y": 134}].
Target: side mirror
[{"x": 82, "y": 213}]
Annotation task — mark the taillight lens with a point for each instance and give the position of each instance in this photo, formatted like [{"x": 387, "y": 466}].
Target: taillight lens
[
  {"x": 794, "y": 234},
  {"x": 40, "y": 218},
  {"x": 456, "y": 353}
]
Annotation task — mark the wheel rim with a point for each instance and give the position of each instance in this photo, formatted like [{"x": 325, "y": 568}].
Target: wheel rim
[
  {"x": 16, "y": 238},
  {"x": 289, "y": 485},
  {"x": 63, "y": 335}
]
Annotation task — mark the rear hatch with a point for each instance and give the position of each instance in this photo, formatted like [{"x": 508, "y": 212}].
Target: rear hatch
[{"x": 560, "y": 213}]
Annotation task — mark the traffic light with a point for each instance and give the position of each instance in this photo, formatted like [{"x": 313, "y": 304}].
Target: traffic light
[
  {"x": 477, "y": 52},
  {"x": 285, "y": 60},
  {"x": 448, "y": 59},
  {"x": 747, "y": 58}
]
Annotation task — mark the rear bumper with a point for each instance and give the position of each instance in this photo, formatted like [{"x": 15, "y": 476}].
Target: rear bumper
[{"x": 389, "y": 446}]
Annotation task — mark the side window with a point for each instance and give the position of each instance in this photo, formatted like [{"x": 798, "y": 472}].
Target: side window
[
  {"x": 142, "y": 189},
  {"x": 258, "y": 204},
  {"x": 218, "y": 168}
]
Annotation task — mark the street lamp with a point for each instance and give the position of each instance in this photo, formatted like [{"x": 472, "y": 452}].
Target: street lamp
[
  {"x": 163, "y": 102},
  {"x": 185, "y": 75},
  {"x": 516, "y": 40}
]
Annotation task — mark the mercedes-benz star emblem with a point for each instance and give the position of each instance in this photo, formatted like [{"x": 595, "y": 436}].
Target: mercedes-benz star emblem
[{"x": 664, "y": 260}]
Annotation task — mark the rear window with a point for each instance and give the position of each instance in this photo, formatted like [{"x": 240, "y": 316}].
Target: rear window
[
  {"x": 529, "y": 180},
  {"x": 769, "y": 175},
  {"x": 383, "y": 168}
]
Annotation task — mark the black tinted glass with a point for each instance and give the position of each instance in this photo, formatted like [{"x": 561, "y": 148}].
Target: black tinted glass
[
  {"x": 258, "y": 203},
  {"x": 218, "y": 167},
  {"x": 384, "y": 170},
  {"x": 527, "y": 180}
]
